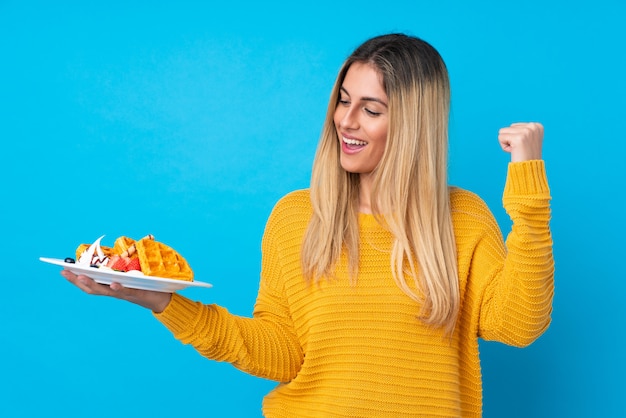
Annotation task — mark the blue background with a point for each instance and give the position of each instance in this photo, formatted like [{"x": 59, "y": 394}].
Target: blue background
[{"x": 189, "y": 120}]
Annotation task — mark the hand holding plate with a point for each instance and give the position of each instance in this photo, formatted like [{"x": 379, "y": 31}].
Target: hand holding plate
[{"x": 153, "y": 300}]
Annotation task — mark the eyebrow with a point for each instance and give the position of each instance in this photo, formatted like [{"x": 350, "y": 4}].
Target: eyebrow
[{"x": 366, "y": 98}]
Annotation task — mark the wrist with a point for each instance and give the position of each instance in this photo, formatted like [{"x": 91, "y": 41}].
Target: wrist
[
  {"x": 161, "y": 302},
  {"x": 155, "y": 301}
]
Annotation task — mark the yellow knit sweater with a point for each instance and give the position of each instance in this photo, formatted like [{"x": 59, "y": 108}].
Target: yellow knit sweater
[{"x": 342, "y": 350}]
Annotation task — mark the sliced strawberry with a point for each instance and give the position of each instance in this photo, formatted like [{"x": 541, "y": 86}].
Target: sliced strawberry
[
  {"x": 118, "y": 263},
  {"x": 133, "y": 264}
]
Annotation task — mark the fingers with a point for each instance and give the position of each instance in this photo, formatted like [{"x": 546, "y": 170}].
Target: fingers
[
  {"x": 155, "y": 301},
  {"x": 534, "y": 128},
  {"x": 90, "y": 286},
  {"x": 523, "y": 140}
]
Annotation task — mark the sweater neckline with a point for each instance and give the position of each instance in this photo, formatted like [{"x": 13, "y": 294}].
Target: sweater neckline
[{"x": 367, "y": 220}]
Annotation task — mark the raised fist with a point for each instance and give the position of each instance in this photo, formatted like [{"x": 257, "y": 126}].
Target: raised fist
[{"x": 522, "y": 140}]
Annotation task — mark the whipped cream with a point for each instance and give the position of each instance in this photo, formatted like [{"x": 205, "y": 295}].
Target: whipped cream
[{"x": 93, "y": 256}]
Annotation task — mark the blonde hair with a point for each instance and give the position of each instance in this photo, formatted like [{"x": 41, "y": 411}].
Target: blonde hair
[{"x": 410, "y": 194}]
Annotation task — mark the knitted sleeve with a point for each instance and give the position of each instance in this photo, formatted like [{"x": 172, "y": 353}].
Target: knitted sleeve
[
  {"x": 517, "y": 299},
  {"x": 264, "y": 345}
]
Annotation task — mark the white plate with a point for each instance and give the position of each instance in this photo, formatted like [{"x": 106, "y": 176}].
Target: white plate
[{"x": 129, "y": 279}]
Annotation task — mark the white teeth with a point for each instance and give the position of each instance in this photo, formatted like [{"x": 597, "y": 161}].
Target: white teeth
[{"x": 353, "y": 141}]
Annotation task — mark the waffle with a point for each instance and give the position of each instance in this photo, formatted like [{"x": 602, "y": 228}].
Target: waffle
[
  {"x": 122, "y": 244},
  {"x": 125, "y": 246},
  {"x": 158, "y": 259}
]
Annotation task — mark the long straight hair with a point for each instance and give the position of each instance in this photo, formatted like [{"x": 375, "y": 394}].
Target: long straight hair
[{"x": 410, "y": 194}]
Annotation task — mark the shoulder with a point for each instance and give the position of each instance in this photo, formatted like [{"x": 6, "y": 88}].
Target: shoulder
[
  {"x": 469, "y": 210},
  {"x": 294, "y": 202},
  {"x": 292, "y": 210},
  {"x": 465, "y": 200}
]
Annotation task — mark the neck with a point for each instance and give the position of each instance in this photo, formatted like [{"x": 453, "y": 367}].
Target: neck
[{"x": 365, "y": 193}]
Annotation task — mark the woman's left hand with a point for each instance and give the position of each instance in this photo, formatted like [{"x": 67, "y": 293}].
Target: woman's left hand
[
  {"x": 522, "y": 140},
  {"x": 155, "y": 301}
]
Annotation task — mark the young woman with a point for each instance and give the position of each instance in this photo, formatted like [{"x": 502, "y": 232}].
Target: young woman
[{"x": 377, "y": 282}]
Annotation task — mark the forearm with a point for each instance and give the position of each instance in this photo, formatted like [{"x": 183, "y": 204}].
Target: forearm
[
  {"x": 518, "y": 301},
  {"x": 255, "y": 345},
  {"x": 529, "y": 244}
]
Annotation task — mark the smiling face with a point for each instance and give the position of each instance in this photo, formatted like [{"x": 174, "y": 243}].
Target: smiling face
[{"x": 361, "y": 119}]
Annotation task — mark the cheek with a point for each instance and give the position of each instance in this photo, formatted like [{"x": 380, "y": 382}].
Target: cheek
[
  {"x": 379, "y": 139},
  {"x": 381, "y": 134}
]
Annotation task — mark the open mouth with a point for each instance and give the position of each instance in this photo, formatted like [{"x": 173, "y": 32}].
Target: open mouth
[{"x": 353, "y": 144}]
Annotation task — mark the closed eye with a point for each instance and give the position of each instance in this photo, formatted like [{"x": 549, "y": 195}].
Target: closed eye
[{"x": 371, "y": 112}]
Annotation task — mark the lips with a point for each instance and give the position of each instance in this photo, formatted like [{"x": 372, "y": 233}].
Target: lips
[{"x": 352, "y": 145}]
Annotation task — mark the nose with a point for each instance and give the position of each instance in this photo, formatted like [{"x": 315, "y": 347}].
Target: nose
[{"x": 345, "y": 117}]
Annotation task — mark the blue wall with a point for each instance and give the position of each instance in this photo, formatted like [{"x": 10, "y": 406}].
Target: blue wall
[{"x": 189, "y": 121}]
